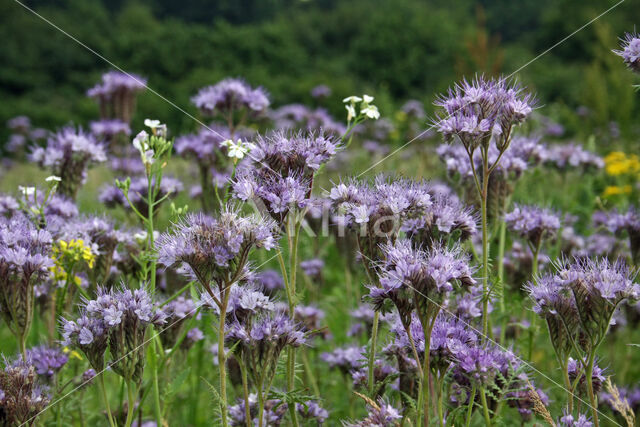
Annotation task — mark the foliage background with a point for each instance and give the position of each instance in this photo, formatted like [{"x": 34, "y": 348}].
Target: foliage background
[{"x": 395, "y": 49}]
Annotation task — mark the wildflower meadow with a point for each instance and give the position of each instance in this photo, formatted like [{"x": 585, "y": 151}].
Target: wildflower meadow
[{"x": 328, "y": 261}]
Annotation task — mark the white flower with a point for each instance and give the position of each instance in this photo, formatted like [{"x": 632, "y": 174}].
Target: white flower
[
  {"x": 352, "y": 99},
  {"x": 366, "y": 99},
  {"x": 27, "y": 191},
  {"x": 351, "y": 112},
  {"x": 140, "y": 142},
  {"x": 156, "y": 127},
  {"x": 236, "y": 150},
  {"x": 140, "y": 236},
  {"x": 53, "y": 178},
  {"x": 371, "y": 111}
]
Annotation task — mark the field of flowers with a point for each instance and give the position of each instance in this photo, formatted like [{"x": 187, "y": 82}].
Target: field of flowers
[{"x": 280, "y": 266}]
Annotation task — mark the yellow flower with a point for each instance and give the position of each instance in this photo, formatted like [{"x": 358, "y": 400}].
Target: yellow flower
[
  {"x": 614, "y": 190},
  {"x": 618, "y": 163},
  {"x": 72, "y": 353}
]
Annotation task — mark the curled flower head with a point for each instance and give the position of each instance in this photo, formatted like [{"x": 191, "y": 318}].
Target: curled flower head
[
  {"x": 230, "y": 95},
  {"x": 533, "y": 223},
  {"x": 213, "y": 248},
  {"x": 630, "y": 51},
  {"x": 22, "y": 398},
  {"x": 475, "y": 110}
]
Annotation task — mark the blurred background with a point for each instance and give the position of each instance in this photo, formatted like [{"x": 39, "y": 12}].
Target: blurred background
[{"x": 393, "y": 49}]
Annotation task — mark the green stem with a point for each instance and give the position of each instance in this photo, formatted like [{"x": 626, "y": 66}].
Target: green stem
[
  {"x": 535, "y": 250},
  {"x": 222, "y": 358},
  {"x": 260, "y": 402},
  {"x": 567, "y": 384},
  {"x": 132, "y": 402},
  {"x": 103, "y": 390},
  {"x": 485, "y": 246},
  {"x": 311, "y": 377},
  {"x": 245, "y": 393},
  {"x": 472, "y": 398},
  {"x": 592, "y": 396},
  {"x": 426, "y": 371},
  {"x": 372, "y": 352},
  {"x": 502, "y": 237},
  {"x": 485, "y": 408},
  {"x": 440, "y": 405}
]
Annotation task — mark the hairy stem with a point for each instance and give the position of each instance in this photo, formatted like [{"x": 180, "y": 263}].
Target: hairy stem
[
  {"x": 105, "y": 399},
  {"x": 372, "y": 352}
]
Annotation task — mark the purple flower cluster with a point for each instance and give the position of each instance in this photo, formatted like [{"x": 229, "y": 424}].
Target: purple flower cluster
[
  {"x": 109, "y": 128},
  {"x": 312, "y": 267},
  {"x": 568, "y": 420},
  {"x": 565, "y": 156},
  {"x": 281, "y": 170},
  {"x": 268, "y": 280},
  {"x": 259, "y": 343},
  {"x": 119, "y": 319},
  {"x": 215, "y": 249},
  {"x": 383, "y": 414},
  {"x": 177, "y": 312},
  {"x": 230, "y": 95},
  {"x": 577, "y": 372},
  {"x": 301, "y": 117},
  {"x": 345, "y": 358},
  {"x": 22, "y": 399},
  {"x": 68, "y": 154},
  {"x": 311, "y": 411},
  {"x": 419, "y": 279},
  {"x": 321, "y": 91},
  {"x": 630, "y": 51},
  {"x": 116, "y": 94},
  {"x": 533, "y": 223},
  {"x": 24, "y": 262},
  {"x": 272, "y": 414},
  {"x": 46, "y": 360},
  {"x": 619, "y": 223},
  {"x": 476, "y": 110}
]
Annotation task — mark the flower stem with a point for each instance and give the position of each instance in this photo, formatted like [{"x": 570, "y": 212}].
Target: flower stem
[
  {"x": 502, "y": 237},
  {"x": 472, "y": 398},
  {"x": 103, "y": 390},
  {"x": 592, "y": 397},
  {"x": 222, "y": 358},
  {"x": 485, "y": 247},
  {"x": 245, "y": 393},
  {"x": 426, "y": 370},
  {"x": 372, "y": 352},
  {"x": 131, "y": 401},
  {"x": 485, "y": 408}
]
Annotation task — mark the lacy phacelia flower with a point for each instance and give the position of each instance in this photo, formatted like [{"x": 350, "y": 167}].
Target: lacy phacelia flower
[
  {"x": 119, "y": 319},
  {"x": 619, "y": 223},
  {"x": 22, "y": 399},
  {"x": 376, "y": 211},
  {"x": 476, "y": 110},
  {"x": 299, "y": 117},
  {"x": 230, "y": 95},
  {"x": 216, "y": 249},
  {"x": 576, "y": 372},
  {"x": 414, "y": 278},
  {"x": 272, "y": 414},
  {"x": 630, "y": 51},
  {"x": 177, "y": 312},
  {"x": 281, "y": 169},
  {"x": 116, "y": 94},
  {"x": 533, "y": 223},
  {"x": 382, "y": 414},
  {"x": 68, "y": 154},
  {"x": 345, "y": 359},
  {"x": 24, "y": 261},
  {"x": 568, "y": 420},
  {"x": 321, "y": 91},
  {"x": 565, "y": 156},
  {"x": 259, "y": 343},
  {"x": 312, "y": 412},
  {"x": 46, "y": 360},
  {"x": 268, "y": 280}
]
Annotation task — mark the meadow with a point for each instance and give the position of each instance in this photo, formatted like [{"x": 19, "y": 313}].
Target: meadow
[{"x": 470, "y": 262}]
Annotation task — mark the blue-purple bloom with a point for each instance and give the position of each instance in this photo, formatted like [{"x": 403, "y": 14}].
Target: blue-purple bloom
[
  {"x": 116, "y": 94},
  {"x": 47, "y": 361},
  {"x": 68, "y": 154},
  {"x": 22, "y": 398},
  {"x": 113, "y": 196},
  {"x": 630, "y": 51},
  {"x": 533, "y": 223},
  {"x": 230, "y": 95}
]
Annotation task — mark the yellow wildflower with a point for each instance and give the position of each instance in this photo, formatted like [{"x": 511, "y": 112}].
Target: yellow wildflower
[{"x": 614, "y": 190}]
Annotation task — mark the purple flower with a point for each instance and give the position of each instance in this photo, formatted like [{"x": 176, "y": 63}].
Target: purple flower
[
  {"x": 533, "y": 223},
  {"x": 474, "y": 111},
  {"x": 230, "y": 95},
  {"x": 215, "y": 249},
  {"x": 382, "y": 414},
  {"x": 345, "y": 359},
  {"x": 312, "y": 411},
  {"x": 107, "y": 129},
  {"x": 630, "y": 51},
  {"x": 300, "y": 117},
  {"x": 577, "y": 372},
  {"x": 46, "y": 360},
  {"x": 312, "y": 267},
  {"x": 68, "y": 154},
  {"x": 565, "y": 156},
  {"x": 268, "y": 280},
  {"x": 568, "y": 420},
  {"x": 321, "y": 91},
  {"x": 21, "y": 397},
  {"x": 116, "y": 94},
  {"x": 24, "y": 262},
  {"x": 113, "y": 196}
]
